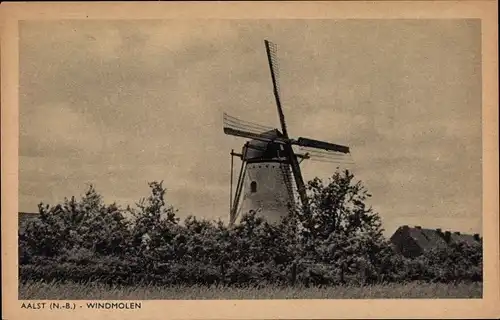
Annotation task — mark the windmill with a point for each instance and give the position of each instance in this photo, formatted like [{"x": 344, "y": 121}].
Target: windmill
[{"x": 270, "y": 179}]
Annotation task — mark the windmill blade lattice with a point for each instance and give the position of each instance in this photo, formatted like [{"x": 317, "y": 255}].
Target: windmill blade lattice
[
  {"x": 241, "y": 128},
  {"x": 307, "y": 142},
  {"x": 272, "y": 56},
  {"x": 243, "y": 125},
  {"x": 274, "y": 64},
  {"x": 327, "y": 156}
]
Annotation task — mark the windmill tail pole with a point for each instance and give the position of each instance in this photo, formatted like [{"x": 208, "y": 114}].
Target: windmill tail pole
[
  {"x": 239, "y": 186},
  {"x": 231, "y": 185}
]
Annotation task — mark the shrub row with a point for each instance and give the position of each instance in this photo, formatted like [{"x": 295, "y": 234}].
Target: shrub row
[{"x": 86, "y": 240}]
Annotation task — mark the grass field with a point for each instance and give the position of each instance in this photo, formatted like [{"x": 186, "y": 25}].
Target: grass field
[{"x": 95, "y": 291}]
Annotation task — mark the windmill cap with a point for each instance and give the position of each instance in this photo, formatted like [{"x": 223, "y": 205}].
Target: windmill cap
[{"x": 263, "y": 150}]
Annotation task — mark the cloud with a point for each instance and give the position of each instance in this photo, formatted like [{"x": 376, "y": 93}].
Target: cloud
[
  {"x": 57, "y": 130},
  {"x": 119, "y": 103}
]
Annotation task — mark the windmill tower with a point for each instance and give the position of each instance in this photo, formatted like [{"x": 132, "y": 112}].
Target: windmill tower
[{"x": 270, "y": 180}]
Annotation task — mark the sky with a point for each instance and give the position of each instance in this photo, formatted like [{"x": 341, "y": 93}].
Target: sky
[{"x": 119, "y": 103}]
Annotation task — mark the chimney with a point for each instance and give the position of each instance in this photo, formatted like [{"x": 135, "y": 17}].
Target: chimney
[
  {"x": 456, "y": 232},
  {"x": 405, "y": 227},
  {"x": 447, "y": 236},
  {"x": 418, "y": 227},
  {"x": 476, "y": 236},
  {"x": 438, "y": 230}
]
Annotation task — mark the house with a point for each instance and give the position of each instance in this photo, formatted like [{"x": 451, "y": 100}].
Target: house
[{"x": 413, "y": 241}]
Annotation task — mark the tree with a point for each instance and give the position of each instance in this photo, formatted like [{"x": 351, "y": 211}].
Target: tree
[
  {"x": 340, "y": 230},
  {"x": 154, "y": 228},
  {"x": 339, "y": 206},
  {"x": 153, "y": 217},
  {"x": 86, "y": 224}
]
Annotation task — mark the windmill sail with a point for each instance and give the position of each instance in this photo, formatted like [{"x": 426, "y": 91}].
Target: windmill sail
[
  {"x": 327, "y": 155},
  {"x": 246, "y": 129},
  {"x": 306, "y": 142},
  {"x": 233, "y": 122},
  {"x": 272, "y": 56},
  {"x": 297, "y": 175},
  {"x": 288, "y": 179}
]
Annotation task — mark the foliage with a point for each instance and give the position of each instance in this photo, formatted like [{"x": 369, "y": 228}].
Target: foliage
[
  {"x": 338, "y": 241},
  {"x": 87, "y": 224},
  {"x": 463, "y": 261},
  {"x": 339, "y": 207}
]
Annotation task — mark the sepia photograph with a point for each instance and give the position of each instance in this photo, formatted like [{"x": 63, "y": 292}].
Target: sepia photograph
[{"x": 249, "y": 159}]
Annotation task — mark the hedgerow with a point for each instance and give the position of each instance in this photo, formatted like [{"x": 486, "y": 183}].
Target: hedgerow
[{"x": 338, "y": 241}]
